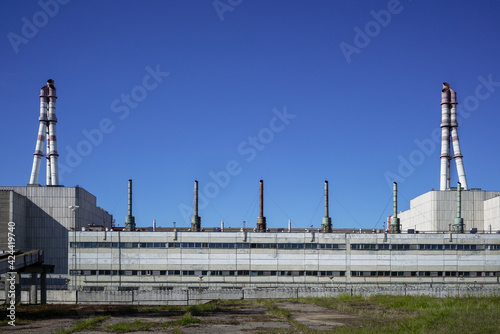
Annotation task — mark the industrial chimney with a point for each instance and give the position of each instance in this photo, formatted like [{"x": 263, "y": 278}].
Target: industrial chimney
[
  {"x": 395, "y": 228},
  {"x": 196, "y": 220},
  {"x": 458, "y": 226},
  {"x": 130, "y": 220},
  {"x": 449, "y": 131},
  {"x": 326, "y": 226},
  {"x": 47, "y": 130},
  {"x": 261, "y": 220}
]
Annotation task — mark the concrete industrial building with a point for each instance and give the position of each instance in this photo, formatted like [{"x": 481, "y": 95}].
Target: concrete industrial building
[
  {"x": 435, "y": 211},
  {"x": 103, "y": 260},
  {"x": 424, "y": 245},
  {"x": 44, "y": 215},
  {"x": 115, "y": 260}
]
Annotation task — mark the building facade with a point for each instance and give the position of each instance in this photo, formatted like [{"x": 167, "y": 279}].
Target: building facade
[
  {"x": 435, "y": 211},
  {"x": 44, "y": 215},
  {"x": 105, "y": 260}
]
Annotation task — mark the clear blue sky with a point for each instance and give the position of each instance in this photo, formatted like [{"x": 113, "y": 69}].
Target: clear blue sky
[{"x": 292, "y": 92}]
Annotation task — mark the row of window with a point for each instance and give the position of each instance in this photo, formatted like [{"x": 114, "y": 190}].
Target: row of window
[
  {"x": 226, "y": 245},
  {"x": 425, "y": 273},
  {"x": 217, "y": 245},
  {"x": 204, "y": 273},
  {"x": 201, "y": 273},
  {"x": 423, "y": 247}
]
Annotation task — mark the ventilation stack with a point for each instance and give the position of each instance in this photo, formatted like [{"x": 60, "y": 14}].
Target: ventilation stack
[
  {"x": 326, "y": 226},
  {"x": 395, "y": 228},
  {"x": 196, "y": 220},
  {"x": 261, "y": 220},
  {"x": 130, "y": 220},
  {"x": 458, "y": 226},
  {"x": 449, "y": 131},
  {"x": 47, "y": 130}
]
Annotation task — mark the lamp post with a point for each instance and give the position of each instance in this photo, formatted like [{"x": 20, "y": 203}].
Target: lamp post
[{"x": 73, "y": 209}]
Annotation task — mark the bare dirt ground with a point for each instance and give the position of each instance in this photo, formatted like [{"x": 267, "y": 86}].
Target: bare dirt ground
[{"x": 234, "y": 317}]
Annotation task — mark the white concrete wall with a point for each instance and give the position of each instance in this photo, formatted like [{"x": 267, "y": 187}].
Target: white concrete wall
[
  {"x": 275, "y": 259},
  {"x": 492, "y": 215},
  {"x": 194, "y": 296},
  {"x": 43, "y": 218},
  {"x": 434, "y": 211}
]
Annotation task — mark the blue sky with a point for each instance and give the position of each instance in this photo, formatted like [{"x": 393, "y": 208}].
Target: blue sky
[{"x": 230, "y": 92}]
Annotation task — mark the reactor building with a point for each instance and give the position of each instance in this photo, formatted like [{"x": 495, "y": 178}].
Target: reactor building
[{"x": 447, "y": 236}]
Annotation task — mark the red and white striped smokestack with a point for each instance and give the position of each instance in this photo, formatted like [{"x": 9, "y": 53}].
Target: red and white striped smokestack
[
  {"x": 445, "y": 137},
  {"x": 42, "y": 130},
  {"x": 54, "y": 166},
  {"x": 449, "y": 131},
  {"x": 454, "y": 137}
]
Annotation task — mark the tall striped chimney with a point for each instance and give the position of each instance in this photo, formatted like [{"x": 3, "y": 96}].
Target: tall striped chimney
[
  {"x": 326, "y": 226},
  {"x": 196, "y": 220},
  {"x": 449, "y": 132},
  {"x": 444, "y": 183},
  {"x": 47, "y": 130},
  {"x": 52, "y": 138},
  {"x": 261, "y": 220},
  {"x": 42, "y": 131},
  {"x": 454, "y": 138}
]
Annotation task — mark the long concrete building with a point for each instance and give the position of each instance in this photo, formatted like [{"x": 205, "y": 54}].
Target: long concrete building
[
  {"x": 447, "y": 236},
  {"x": 104, "y": 260}
]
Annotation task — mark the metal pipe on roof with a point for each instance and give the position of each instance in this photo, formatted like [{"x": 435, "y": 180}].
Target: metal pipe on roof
[
  {"x": 458, "y": 226},
  {"x": 395, "y": 228},
  {"x": 326, "y": 226},
  {"x": 326, "y": 198},
  {"x": 196, "y": 198},
  {"x": 130, "y": 220},
  {"x": 454, "y": 137},
  {"x": 261, "y": 198},
  {"x": 261, "y": 220},
  {"x": 445, "y": 137},
  {"x": 196, "y": 220}
]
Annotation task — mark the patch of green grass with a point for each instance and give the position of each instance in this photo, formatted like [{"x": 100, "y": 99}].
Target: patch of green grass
[
  {"x": 177, "y": 331},
  {"x": 200, "y": 308},
  {"x": 185, "y": 320},
  {"x": 137, "y": 325},
  {"x": 83, "y": 325},
  {"x": 161, "y": 308},
  {"x": 417, "y": 314},
  {"x": 287, "y": 315}
]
